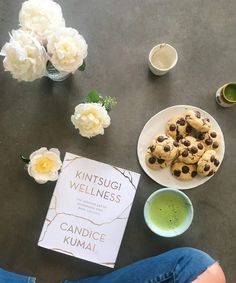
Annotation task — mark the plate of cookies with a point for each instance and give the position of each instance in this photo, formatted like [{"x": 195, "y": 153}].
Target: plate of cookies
[{"x": 181, "y": 147}]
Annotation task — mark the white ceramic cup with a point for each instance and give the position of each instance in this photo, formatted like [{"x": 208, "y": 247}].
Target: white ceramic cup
[
  {"x": 162, "y": 58},
  {"x": 171, "y": 232},
  {"x": 221, "y": 98}
]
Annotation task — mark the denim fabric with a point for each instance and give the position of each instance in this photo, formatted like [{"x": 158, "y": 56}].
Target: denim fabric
[
  {"x": 10, "y": 277},
  {"x": 181, "y": 265}
]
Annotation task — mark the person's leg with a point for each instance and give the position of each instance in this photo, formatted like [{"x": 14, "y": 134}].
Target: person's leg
[
  {"x": 182, "y": 265},
  {"x": 10, "y": 277},
  {"x": 213, "y": 274}
]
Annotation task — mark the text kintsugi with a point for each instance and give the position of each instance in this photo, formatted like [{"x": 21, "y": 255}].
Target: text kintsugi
[{"x": 98, "y": 186}]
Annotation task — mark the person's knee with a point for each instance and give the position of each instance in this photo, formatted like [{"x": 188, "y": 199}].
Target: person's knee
[
  {"x": 213, "y": 274},
  {"x": 195, "y": 254},
  {"x": 191, "y": 263},
  {"x": 188, "y": 250}
]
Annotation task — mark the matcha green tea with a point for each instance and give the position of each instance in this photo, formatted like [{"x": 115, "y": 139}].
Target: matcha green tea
[
  {"x": 168, "y": 210},
  {"x": 230, "y": 92}
]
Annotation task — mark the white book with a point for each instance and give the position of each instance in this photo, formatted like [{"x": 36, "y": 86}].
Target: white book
[{"x": 89, "y": 210}]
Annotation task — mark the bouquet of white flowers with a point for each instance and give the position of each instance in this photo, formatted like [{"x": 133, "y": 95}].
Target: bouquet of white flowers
[{"x": 43, "y": 44}]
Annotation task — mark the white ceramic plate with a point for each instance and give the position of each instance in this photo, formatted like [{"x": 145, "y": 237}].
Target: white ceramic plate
[{"x": 156, "y": 125}]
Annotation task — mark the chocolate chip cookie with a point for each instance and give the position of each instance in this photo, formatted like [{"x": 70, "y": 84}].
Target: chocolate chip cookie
[
  {"x": 177, "y": 128},
  {"x": 164, "y": 147},
  {"x": 190, "y": 150},
  {"x": 208, "y": 164},
  {"x": 211, "y": 140},
  {"x": 155, "y": 163},
  {"x": 183, "y": 171},
  {"x": 195, "y": 119}
]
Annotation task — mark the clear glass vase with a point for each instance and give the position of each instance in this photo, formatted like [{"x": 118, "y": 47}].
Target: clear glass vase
[{"x": 54, "y": 74}]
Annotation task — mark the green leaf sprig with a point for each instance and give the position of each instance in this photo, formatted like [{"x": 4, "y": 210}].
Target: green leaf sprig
[
  {"x": 82, "y": 67},
  {"x": 107, "y": 101},
  {"x": 24, "y": 159}
]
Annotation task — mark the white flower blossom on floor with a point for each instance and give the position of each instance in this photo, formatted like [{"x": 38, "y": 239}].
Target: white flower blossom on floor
[
  {"x": 44, "y": 165},
  {"x": 90, "y": 119}
]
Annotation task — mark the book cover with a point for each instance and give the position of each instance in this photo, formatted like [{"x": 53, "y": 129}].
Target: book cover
[{"x": 89, "y": 210}]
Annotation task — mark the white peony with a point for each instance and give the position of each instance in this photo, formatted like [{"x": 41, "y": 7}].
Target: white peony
[
  {"x": 44, "y": 165},
  {"x": 90, "y": 119},
  {"x": 41, "y": 17},
  {"x": 67, "y": 49},
  {"x": 25, "y": 58}
]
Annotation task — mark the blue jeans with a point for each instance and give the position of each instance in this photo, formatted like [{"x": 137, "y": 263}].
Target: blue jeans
[
  {"x": 181, "y": 265},
  {"x": 10, "y": 277}
]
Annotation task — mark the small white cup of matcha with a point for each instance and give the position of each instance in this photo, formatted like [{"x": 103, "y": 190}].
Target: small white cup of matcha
[
  {"x": 226, "y": 95},
  {"x": 162, "y": 58},
  {"x": 168, "y": 212}
]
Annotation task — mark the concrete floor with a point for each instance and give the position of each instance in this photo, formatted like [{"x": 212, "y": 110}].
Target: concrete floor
[{"x": 119, "y": 35}]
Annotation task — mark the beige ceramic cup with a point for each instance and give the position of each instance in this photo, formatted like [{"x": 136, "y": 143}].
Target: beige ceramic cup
[
  {"x": 221, "y": 97},
  {"x": 162, "y": 58}
]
